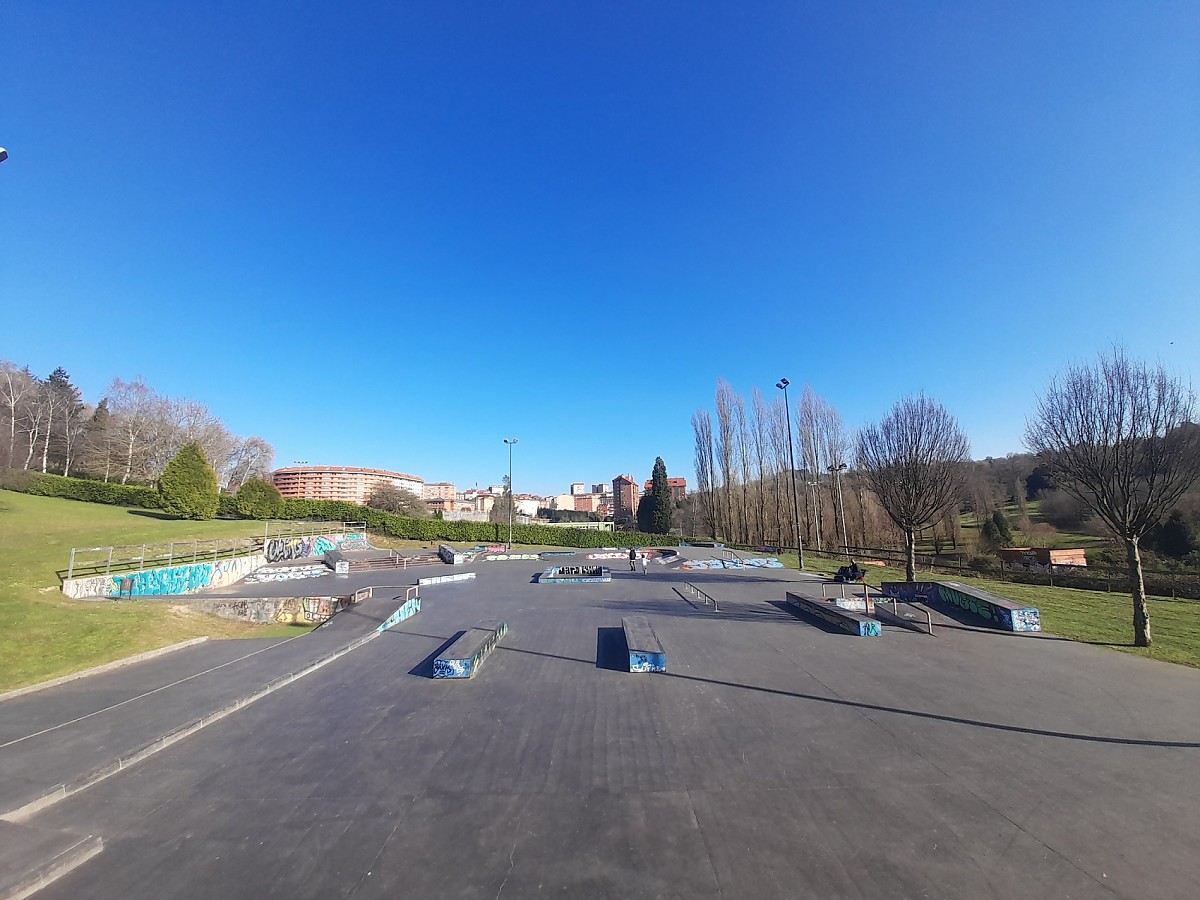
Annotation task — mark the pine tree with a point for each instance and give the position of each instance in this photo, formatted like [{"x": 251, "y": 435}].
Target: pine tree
[
  {"x": 188, "y": 487},
  {"x": 662, "y": 503}
]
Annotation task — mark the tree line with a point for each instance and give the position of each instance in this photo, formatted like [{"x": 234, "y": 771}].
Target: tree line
[
  {"x": 1117, "y": 436},
  {"x": 128, "y": 436}
]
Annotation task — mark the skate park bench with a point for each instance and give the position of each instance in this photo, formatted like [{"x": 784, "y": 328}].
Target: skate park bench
[
  {"x": 463, "y": 658},
  {"x": 646, "y": 653},
  {"x": 832, "y": 614},
  {"x": 995, "y": 610}
]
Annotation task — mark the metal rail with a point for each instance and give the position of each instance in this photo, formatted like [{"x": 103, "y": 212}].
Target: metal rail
[
  {"x": 136, "y": 557},
  {"x": 366, "y": 593},
  {"x": 707, "y": 598},
  {"x": 896, "y": 611}
]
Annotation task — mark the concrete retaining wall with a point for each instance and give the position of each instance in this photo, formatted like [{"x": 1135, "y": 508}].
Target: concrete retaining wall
[{"x": 187, "y": 578}]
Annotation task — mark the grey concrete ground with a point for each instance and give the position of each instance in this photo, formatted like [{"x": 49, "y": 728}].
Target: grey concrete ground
[
  {"x": 61, "y": 734},
  {"x": 774, "y": 759}
]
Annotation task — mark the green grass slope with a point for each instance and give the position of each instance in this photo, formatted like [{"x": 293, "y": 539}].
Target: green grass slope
[{"x": 44, "y": 634}]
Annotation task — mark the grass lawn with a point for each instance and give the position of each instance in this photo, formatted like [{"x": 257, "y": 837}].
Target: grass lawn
[
  {"x": 1093, "y": 617},
  {"x": 44, "y": 634}
]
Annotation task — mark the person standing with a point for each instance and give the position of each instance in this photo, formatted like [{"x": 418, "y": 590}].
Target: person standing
[
  {"x": 633, "y": 559},
  {"x": 645, "y": 561}
]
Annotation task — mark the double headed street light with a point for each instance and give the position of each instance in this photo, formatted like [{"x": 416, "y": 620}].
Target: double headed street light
[
  {"x": 837, "y": 474},
  {"x": 512, "y": 498},
  {"x": 782, "y": 384}
]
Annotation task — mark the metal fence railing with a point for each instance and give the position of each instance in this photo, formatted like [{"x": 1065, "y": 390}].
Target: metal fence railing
[{"x": 124, "y": 558}]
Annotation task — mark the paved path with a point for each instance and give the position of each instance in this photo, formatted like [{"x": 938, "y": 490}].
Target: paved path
[
  {"x": 774, "y": 759},
  {"x": 56, "y": 736}
]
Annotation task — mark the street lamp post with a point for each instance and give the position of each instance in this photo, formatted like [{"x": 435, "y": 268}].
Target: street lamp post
[
  {"x": 512, "y": 498},
  {"x": 782, "y": 384},
  {"x": 837, "y": 475}
]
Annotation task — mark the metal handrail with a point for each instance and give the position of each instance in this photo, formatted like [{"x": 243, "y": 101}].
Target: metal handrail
[
  {"x": 366, "y": 593},
  {"x": 910, "y": 604},
  {"x": 702, "y": 595}
]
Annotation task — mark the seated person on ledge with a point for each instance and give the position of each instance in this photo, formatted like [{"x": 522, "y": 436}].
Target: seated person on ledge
[{"x": 852, "y": 572}]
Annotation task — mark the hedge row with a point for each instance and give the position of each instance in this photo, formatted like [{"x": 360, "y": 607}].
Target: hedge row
[
  {"x": 467, "y": 532},
  {"x": 44, "y": 485}
]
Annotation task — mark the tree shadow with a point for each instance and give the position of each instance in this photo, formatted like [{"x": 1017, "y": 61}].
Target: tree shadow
[
  {"x": 873, "y": 707},
  {"x": 154, "y": 514}
]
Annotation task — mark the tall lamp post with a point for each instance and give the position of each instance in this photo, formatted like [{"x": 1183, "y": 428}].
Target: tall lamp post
[
  {"x": 782, "y": 384},
  {"x": 837, "y": 475},
  {"x": 512, "y": 499}
]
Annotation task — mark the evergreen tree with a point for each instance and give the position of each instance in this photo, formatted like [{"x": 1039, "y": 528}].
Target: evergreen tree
[
  {"x": 189, "y": 485},
  {"x": 645, "y": 513},
  {"x": 1177, "y": 537},
  {"x": 661, "y": 503},
  {"x": 1003, "y": 532},
  {"x": 259, "y": 499}
]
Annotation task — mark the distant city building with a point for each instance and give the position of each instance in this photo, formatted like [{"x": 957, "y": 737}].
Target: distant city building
[
  {"x": 563, "y": 501},
  {"x": 625, "y": 498},
  {"x": 588, "y": 502},
  {"x": 528, "y": 504},
  {"x": 439, "y": 490},
  {"x": 345, "y": 483},
  {"x": 678, "y": 487},
  {"x": 443, "y": 505},
  {"x": 577, "y": 487},
  {"x": 605, "y": 489}
]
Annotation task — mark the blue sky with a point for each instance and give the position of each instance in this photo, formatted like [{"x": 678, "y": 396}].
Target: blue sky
[{"x": 390, "y": 235}]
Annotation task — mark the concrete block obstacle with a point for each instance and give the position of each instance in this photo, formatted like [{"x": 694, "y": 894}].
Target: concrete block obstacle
[
  {"x": 443, "y": 579},
  {"x": 832, "y": 614},
  {"x": 997, "y": 611},
  {"x": 575, "y": 575},
  {"x": 463, "y": 658},
  {"x": 646, "y": 652},
  {"x": 450, "y": 556}
]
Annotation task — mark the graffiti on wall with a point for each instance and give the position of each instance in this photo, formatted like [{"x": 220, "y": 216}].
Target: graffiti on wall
[
  {"x": 1026, "y": 620},
  {"x": 756, "y": 562},
  {"x": 284, "y": 549},
  {"x": 286, "y": 573},
  {"x": 181, "y": 579},
  {"x": 304, "y": 610}
]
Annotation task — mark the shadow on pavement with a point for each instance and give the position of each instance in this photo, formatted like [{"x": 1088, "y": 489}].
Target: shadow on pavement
[
  {"x": 611, "y": 650},
  {"x": 424, "y": 669}
]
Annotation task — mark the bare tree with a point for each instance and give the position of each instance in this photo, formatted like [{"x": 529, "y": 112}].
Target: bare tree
[
  {"x": 913, "y": 460},
  {"x": 131, "y": 404},
  {"x": 252, "y": 457},
  {"x": 18, "y": 388},
  {"x": 705, "y": 475},
  {"x": 726, "y": 441},
  {"x": 761, "y": 424},
  {"x": 1120, "y": 436}
]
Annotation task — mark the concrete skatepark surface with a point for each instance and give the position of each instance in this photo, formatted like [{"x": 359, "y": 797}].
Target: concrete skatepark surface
[{"x": 776, "y": 758}]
